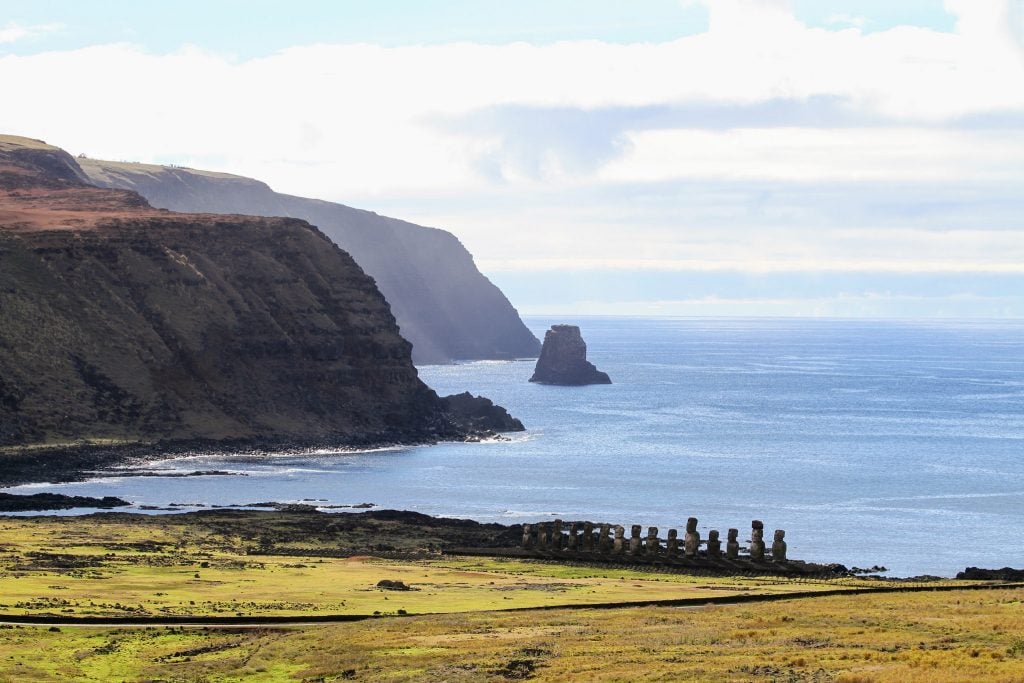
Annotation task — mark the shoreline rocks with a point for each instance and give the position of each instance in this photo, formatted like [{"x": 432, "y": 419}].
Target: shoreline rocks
[
  {"x": 979, "y": 574},
  {"x": 563, "y": 360},
  {"x": 79, "y": 462},
  {"x": 479, "y": 415},
  {"x": 38, "y": 502}
]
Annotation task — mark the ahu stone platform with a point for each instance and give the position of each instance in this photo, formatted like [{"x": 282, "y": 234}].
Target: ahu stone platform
[{"x": 607, "y": 543}]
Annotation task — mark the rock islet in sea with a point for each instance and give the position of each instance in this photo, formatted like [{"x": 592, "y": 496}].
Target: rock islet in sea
[{"x": 563, "y": 359}]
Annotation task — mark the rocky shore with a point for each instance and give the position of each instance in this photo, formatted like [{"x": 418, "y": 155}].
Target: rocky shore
[
  {"x": 79, "y": 462},
  {"x": 55, "y": 501},
  {"x": 1004, "y": 574}
]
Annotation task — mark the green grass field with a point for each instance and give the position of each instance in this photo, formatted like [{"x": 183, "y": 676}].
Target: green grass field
[
  {"x": 456, "y": 628},
  {"x": 88, "y": 567}
]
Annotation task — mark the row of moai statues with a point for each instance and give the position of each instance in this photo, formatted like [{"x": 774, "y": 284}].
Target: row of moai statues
[{"x": 611, "y": 540}]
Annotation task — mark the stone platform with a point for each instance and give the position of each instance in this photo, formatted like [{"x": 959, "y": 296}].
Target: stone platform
[{"x": 587, "y": 542}]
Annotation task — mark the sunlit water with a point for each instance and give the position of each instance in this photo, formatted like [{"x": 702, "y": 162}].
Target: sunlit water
[{"x": 895, "y": 443}]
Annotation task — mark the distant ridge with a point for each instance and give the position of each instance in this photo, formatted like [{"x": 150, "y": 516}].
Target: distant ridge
[{"x": 443, "y": 304}]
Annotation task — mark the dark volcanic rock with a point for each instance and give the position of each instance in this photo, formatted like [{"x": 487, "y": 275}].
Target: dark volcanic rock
[
  {"x": 444, "y": 306},
  {"x": 121, "y": 324},
  {"x": 563, "y": 359},
  {"x": 480, "y": 414},
  {"x": 55, "y": 501},
  {"x": 1004, "y": 574}
]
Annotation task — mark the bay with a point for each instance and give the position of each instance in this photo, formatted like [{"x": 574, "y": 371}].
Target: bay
[{"x": 870, "y": 442}]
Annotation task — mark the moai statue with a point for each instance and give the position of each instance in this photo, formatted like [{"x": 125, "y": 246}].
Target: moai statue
[
  {"x": 672, "y": 544},
  {"x": 714, "y": 544},
  {"x": 604, "y": 543},
  {"x": 527, "y": 536},
  {"x": 691, "y": 542},
  {"x": 779, "y": 546},
  {"x": 620, "y": 538},
  {"x": 542, "y": 537},
  {"x": 574, "y": 537},
  {"x": 653, "y": 544},
  {"x": 556, "y": 535},
  {"x": 634, "y": 539},
  {"x": 757, "y": 539},
  {"x": 732, "y": 544},
  {"x": 588, "y": 537}
]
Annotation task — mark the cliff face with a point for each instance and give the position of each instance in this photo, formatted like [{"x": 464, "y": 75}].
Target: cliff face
[
  {"x": 443, "y": 304},
  {"x": 120, "y": 321},
  {"x": 563, "y": 359}
]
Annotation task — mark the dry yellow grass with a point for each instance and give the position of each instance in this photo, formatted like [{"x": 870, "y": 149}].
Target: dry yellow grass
[
  {"x": 104, "y": 170},
  {"x": 9, "y": 142},
  {"x": 923, "y": 637}
]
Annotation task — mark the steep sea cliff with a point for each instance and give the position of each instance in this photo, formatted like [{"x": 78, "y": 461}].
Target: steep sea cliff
[
  {"x": 121, "y": 323},
  {"x": 443, "y": 304}
]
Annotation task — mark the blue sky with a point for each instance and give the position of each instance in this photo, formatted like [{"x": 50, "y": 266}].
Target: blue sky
[
  {"x": 778, "y": 157},
  {"x": 254, "y": 28}
]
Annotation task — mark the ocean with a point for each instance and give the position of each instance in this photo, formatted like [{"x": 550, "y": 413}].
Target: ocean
[{"x": 895, "y": 443}]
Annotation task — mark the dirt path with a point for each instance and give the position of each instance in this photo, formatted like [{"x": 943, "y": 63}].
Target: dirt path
[{"x": 310, "y": 620}]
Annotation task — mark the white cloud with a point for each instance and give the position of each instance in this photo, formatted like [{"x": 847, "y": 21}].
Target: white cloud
[
  {"x": 373, "y": 106},
  {"x": 869, "y": 304},
  {"x": 12, "y": 32},
  {"x": 1016, "y": 23},
  {"x": 360, "y": 123},
  {"x": 856, "y": 21},
  {"x": 559, "y": 243},
  {"x": 800, "y": 154},
  {"x": 700, "y": 265},
  {"x": 981, "y": 19}
]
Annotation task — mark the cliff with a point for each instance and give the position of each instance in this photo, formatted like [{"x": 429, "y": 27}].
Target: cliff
[
  {"x": 121, "y": 322},
  {"x": 563, "y": 359},
  {"x": 443, "y": 304}
]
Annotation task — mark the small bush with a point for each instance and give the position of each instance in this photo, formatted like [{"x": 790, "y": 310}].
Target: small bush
[{"x": 854, "y": 678}]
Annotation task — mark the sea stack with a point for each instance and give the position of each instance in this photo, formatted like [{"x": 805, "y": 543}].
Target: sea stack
[{"x": 563, "y": 359}]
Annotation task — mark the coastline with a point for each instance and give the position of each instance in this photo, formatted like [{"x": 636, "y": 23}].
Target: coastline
[
  {"x": 75, "y": 463},
  {"x": 389, "y": 534}
]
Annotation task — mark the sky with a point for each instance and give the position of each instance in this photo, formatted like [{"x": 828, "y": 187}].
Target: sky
[{"x": 655, "y": 157}]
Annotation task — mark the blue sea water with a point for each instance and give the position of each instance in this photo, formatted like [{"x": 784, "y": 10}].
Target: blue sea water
[{"x": 869, "y": 442}]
